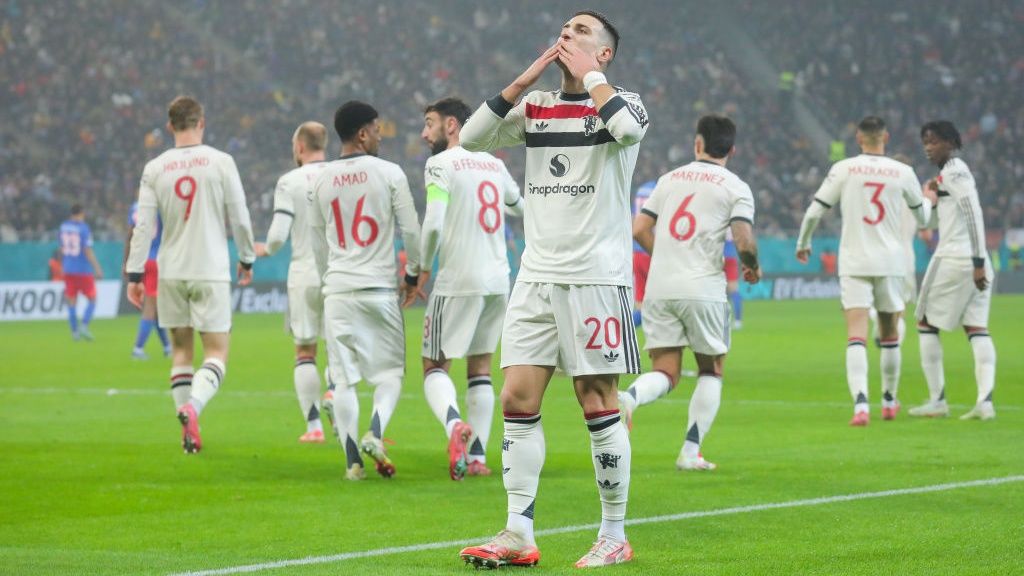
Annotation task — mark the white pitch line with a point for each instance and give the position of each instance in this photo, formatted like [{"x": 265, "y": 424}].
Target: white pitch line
[
  {"x": 362, "y": 391},
  {"x": 392, "y": 550}
]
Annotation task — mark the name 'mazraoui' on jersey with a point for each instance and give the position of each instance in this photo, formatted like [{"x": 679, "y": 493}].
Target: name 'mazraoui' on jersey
[
  {"x": 579, "y": 168},
  {"x": 196, "y": 189},
  {"x": 694, "y": 206},
  {"x": 873, "y": 191},
  {"x": 291, "y": 197},
  {"x": 468, "y": 194},
  {"x": 355, "y": 204}
]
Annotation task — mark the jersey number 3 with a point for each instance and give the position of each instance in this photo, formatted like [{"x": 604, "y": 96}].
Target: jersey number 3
[{"x": 878, "y": 186}]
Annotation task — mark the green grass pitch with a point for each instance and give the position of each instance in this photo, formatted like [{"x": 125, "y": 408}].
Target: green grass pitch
[{"x": 93, "y": 479}]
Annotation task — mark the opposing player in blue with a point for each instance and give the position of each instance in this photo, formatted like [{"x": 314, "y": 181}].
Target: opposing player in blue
[
  {"x": 148, "y": 321},
  {"x": 641, "y": 259},
  {"x": 80, "y": 270}
]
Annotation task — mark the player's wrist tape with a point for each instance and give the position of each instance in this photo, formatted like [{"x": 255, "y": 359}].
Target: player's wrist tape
[
  {"x": 135, "y": 276},
  {"x": 245, "y": 265},
  {"x": 411, "y": 280},
  {"x": 978, "y": 262},
  {"x": 593, "y": 79}
]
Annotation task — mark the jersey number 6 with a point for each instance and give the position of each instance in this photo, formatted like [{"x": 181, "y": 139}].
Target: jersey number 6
[{"x": 673, "y": 225}]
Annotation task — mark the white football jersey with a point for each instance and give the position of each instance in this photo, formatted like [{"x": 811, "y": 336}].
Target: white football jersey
[
  {"x": 908, "y": 232},
  {"x": 354, "y": 206},
  {"x": 196, "y": 189},
  {"x": 291, "y": 197},
  {"x": 961, "y": 225},
  {"x": 694, "y": 206},
  {"x": 472, "y": 189},
  {"x": 873, "y": 191},
  {"x": 579, "y": 167}
]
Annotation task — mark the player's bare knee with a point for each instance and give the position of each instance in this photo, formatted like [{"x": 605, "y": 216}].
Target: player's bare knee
[
  {"x": 305, "y": 350},
  {"x": 431, "y": 365}
]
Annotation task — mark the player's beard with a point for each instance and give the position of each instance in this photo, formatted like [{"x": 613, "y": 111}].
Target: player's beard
[{"x": 439, "y": 145}]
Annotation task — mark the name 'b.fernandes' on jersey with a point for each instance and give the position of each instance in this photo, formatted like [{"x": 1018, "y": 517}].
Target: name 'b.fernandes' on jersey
[
  {"x": 694, "y": 205},
  {"x": 871, "y": 189},
  {"x": 291, "y": 218},
  {"x": 579, "y": 167},
  {"x": 195, "y": 189},
  {"x": 353, "y": 209},
  {"x": 467, "y": 195}
]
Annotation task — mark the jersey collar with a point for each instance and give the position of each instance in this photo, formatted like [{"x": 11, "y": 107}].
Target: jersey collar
[{"x": 574, "y": 97}]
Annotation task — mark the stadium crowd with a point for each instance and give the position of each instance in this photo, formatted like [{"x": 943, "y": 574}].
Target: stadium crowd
[{"x": 86, "y": 110}]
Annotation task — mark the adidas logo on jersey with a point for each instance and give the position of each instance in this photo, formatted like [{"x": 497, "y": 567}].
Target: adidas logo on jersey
[
  {"x": 611, "y": 356},
  {"x": 541, "y": 126}
]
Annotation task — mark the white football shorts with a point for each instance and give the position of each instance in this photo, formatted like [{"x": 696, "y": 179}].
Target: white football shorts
[
  {"x": 949, "y": 299},
  {"x": 581, "y": 329},
  {"x": 884, "y": 293},
  {"x": 368, "y": 329},
  {"x": 701, "y": 325},
  {"x": 305, "y": 313},
  {"x": 201, "y": 305},
  {"x": 461, "y": 326}
]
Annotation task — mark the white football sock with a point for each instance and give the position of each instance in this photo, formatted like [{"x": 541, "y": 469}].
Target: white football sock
[
  {"x": 307, "y": 388},
  {"x": 522, "y": 458},
  {"x": 649, "y": 387},
  {"x": 385, "y": 398},
  {"x": 931, "y": 364},
  {"x": 984, "y": 364},
  {"x": 181, "y": 385},
  {"x": 440, "y": 393},
  {"x": 901, "y": 328},
  {"x": 704, "y": 403},
  {"x": 891, "y": 361},
  {"x": 346, "y": 416},
  {"x": 857, "y": 374},
  {"x": 206, "y": 382},
  {"x": 480, "y": 414},
  {"x": 609, "y": 446}
]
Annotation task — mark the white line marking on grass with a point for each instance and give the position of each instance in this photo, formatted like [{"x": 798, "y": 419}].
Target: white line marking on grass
[
  {"x": 364, "y": 392},
  {"x": 392, "y": 550}
]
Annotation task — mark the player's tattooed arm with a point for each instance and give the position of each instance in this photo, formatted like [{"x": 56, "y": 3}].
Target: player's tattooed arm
[{"x": 746, "y": 246}]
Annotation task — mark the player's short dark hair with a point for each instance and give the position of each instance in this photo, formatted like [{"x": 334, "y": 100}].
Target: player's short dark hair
[
  {"x": 184, "y": 112},
  {"x": 607, "y": 26},
  {"x": 944, "y": 130},
  {"x": 871, "y": 125},
  {"x": 719, "y": 134},
  {"x": 313, "y": 136},
  {"x": 351, "y": 117},
  {"x": 77, "y": 209},
  {"x": 452, "y": 107}
]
